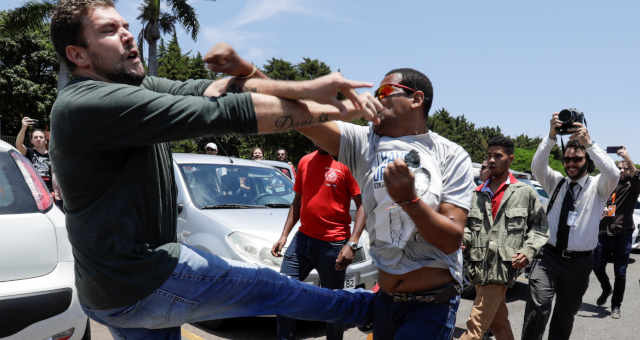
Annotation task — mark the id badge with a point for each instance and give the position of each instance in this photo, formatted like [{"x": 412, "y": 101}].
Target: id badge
[{"x": 572, "y": 218}]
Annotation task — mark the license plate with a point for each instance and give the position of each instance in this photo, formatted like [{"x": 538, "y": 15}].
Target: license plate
[{"x": 350, "y": 282}]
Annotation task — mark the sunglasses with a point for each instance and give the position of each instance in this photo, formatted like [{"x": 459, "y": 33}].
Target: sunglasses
[
  {"x": 210, "y": 149},
  {"x": 386, "y": 90},
  {"x": 573, "y": 159}
]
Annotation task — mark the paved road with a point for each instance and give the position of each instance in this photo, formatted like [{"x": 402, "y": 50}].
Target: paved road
[{"x": 592, "y": 322}]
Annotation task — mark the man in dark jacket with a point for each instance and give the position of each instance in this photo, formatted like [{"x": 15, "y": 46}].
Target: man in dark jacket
[{"x": 616, "y": 228}]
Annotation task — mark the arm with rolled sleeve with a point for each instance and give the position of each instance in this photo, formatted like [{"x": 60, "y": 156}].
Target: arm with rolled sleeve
[
  {"x": 609, "y": 172},
  {"x": 537, "y": 227},
  {"x": 540, "y": 168}
]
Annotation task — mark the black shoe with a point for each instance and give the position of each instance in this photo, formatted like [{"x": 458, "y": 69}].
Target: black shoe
[
  {"x": 603, "y": 297},
  {"x": 615, "y": 313}
]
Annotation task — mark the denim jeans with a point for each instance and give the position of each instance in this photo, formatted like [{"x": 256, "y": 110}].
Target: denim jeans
[
  {"x": 207, "y": 287},
  {"x": 619, "y": 248},
  {"x": 304, "y": 254},
  {"x": 413, "y": 320}
]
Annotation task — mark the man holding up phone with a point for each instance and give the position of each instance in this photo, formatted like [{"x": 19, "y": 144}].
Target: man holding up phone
[
  {"x": 616, "y": 228},
  {"x": 38, "y": 153}
]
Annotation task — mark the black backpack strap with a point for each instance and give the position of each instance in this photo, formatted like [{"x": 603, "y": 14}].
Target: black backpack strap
[{"x": 555, "y": 194}]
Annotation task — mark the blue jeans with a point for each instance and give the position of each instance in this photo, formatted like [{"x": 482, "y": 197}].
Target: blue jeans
[
  {"x": 617, "y": 247},
  {"x": 207, "y": 287},
  {"x": 304, "y": 254},
  {"x": 413, "y": 320}
]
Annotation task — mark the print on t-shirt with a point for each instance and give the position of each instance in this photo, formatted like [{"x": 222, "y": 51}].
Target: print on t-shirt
[{"x": 392, "y": 224}]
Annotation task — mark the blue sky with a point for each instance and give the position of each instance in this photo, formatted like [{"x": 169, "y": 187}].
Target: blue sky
[{"x": 504, "y": 63}]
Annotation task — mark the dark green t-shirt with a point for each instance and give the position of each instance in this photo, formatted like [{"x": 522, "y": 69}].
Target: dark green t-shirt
[{"x": 109, "y": 151}]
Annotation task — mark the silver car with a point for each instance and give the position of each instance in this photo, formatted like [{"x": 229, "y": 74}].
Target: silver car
[
  {"x": 37, "y": 293},
  {"x": 236, "y": 208}
]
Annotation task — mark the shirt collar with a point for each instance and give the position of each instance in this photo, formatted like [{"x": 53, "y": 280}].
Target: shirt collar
[
  {"x": 484, "y": 187},
  {"x": 582, "y": 181}
]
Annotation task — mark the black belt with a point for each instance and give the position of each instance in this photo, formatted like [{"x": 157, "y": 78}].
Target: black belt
[
  {"x": 438, "y": 295},
  {"x": 567, "y": 254}
]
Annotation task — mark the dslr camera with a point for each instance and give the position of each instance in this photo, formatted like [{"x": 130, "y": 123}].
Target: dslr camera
[{"x": 568, "y": 117}]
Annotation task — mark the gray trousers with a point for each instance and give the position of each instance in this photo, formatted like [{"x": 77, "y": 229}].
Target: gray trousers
[{"x": 567, "y": 279}]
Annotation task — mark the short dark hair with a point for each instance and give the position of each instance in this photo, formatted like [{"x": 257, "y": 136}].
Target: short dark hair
[
  {"x": 505, "y": 142},
  {"x": 416, "y": 80},
  {"x": 574, "y": 144},
  {"x": 66, "y": 25}
]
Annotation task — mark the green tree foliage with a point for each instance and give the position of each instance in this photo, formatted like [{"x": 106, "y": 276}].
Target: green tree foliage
[
  {"x": 172, "y": 63},
  {"x": 157, "y": 20},
  {"x": 27, "y": 76}
]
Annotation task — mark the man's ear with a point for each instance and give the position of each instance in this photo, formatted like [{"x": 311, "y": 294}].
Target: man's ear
[
  {"x": 418, "y": 99},
  {"x": 78, "y": 55}
]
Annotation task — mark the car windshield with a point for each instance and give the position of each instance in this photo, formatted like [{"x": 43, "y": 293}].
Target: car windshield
[{"x": 213, "y": 186}]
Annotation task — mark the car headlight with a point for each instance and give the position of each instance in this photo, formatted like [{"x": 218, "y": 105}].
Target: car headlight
[{"x": 253, "y": 249}]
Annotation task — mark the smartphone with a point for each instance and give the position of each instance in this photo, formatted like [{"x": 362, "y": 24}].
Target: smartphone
[{"x": 613, "y": 149}]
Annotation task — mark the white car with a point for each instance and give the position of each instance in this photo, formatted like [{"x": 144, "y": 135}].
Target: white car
[
  {"x": 37, "y": 294},
  {"x": 236, "y": 208}
]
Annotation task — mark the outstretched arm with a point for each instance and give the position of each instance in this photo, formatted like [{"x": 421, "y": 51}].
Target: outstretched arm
[{"x": 26, "y": 122}]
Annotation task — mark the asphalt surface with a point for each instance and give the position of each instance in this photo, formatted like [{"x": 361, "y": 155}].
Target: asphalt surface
[{"x": 592, "y": 322}]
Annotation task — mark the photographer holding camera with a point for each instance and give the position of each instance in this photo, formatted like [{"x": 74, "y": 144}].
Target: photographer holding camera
[
  {"x": 563, "y": 266},
  {"x": 38, "y": 153},
  {"x": 616, "y": 228}
]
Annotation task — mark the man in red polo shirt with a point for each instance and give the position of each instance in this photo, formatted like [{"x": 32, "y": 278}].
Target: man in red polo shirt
[
  {"x": 324, "y": 188},
  {"x": 505, "y": 229}
]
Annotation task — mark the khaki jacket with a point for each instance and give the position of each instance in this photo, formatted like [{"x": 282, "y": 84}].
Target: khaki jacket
[{"x": 520, "y": 227}]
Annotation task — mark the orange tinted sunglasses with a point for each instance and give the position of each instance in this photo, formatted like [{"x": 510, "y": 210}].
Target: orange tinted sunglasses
[{"x": 386, "y": 90}]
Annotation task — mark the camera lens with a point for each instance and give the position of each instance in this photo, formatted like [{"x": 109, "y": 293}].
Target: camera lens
[{"x": 565, "y": 115}]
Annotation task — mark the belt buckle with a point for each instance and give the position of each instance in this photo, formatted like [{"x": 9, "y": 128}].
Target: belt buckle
[{"x": 565, "y": 254}]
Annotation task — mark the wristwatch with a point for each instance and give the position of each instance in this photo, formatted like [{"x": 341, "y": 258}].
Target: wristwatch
[{"x": 353, "y": 245}]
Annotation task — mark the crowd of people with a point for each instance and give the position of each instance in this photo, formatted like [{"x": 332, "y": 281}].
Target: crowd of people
[{"x": 414, "y": 192}]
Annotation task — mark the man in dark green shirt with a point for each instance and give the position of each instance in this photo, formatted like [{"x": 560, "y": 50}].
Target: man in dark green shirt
[{"x": 109, "y": 128}]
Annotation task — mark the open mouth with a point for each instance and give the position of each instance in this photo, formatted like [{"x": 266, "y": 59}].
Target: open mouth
[{"x": 133, "y": 54}]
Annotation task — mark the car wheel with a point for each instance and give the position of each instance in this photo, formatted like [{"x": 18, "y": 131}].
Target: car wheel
[{"x": 87, "y": 331}]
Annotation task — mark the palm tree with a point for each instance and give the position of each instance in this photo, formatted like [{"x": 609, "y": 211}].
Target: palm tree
[{"x": 156, "y": 22}]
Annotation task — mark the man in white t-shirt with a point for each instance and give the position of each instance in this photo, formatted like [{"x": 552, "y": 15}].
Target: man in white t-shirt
[{"x": 416, "y": 189}]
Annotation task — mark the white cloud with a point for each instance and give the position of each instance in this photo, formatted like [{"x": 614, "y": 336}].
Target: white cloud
[{"x": 258, "y": 10}]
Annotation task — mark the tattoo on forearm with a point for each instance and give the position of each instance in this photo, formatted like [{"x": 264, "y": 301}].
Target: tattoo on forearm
[{"x": 287, "y": 122}]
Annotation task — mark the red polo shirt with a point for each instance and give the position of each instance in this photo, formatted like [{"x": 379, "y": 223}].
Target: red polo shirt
[
  {"x": 326, "y": 187},
  {"x": 496, "y": 198}
]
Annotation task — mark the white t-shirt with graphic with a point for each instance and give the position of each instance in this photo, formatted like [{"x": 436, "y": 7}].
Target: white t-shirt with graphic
[{"x": 443, "y": 175}]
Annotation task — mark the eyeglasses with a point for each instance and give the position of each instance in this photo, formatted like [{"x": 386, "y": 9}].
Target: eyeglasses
[
  {"x": 573, "y": 159},
  {"x": 386, "y": 90}
]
